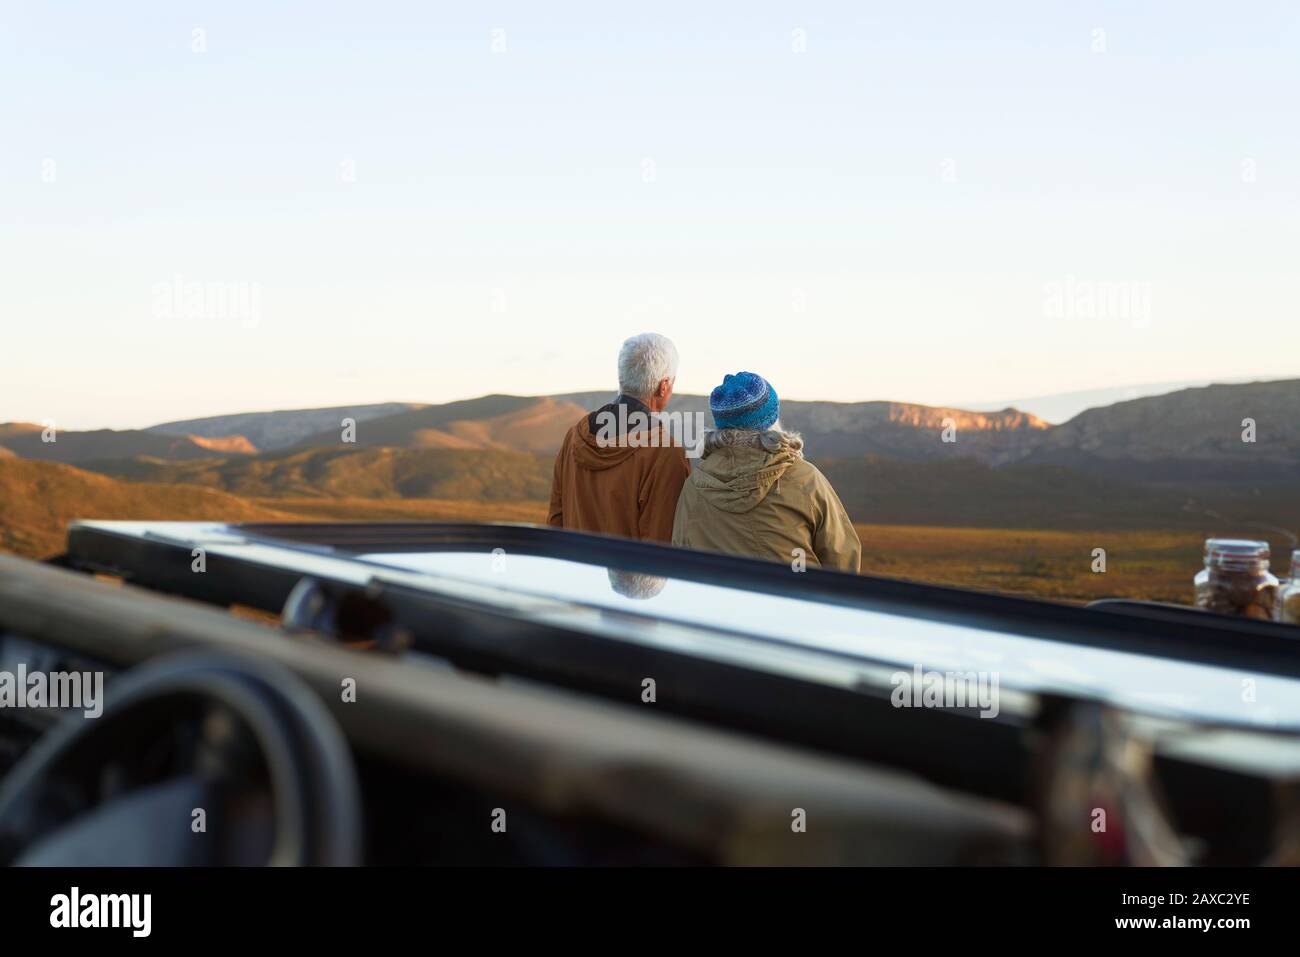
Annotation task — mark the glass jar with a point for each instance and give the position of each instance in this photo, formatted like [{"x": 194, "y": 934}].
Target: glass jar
[
  {"x": 1288, "y": 599},
  {"x": 1236, "y": 579}
]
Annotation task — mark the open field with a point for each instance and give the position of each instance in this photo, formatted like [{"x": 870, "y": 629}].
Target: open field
[
  {"x": 1036, "y": 563},
  {"x": 404, "y": 510},
  {"x": 1057, "y": 565}
]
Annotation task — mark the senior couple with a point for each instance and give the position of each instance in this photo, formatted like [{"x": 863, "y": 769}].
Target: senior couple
[{"x": 620, "y": 472}]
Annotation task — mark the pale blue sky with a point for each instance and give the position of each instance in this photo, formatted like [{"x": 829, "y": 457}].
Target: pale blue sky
[{"x": 883, "y": 215}]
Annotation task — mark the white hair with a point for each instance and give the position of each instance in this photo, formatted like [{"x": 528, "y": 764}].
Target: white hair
[
  {"x": 636, "y": 585},
  {"x": 643, "y": 361},
  {"x": 772, "y": 439}
]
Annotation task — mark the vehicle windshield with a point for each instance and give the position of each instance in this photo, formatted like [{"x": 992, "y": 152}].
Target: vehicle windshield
[{"x": 1156, "y": 685}]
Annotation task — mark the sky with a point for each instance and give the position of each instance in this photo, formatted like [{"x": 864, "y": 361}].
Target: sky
[{"x": 209, "y": 208}]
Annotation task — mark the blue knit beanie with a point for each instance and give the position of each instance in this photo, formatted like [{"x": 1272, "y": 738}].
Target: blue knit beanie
[{"x": 744, "y": 401}]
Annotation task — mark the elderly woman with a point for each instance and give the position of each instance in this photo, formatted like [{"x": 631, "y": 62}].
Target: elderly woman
[{"x": 753, "y": 493}]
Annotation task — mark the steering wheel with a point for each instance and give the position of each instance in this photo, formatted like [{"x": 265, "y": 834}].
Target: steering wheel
[{"x": 197, "y": 759}]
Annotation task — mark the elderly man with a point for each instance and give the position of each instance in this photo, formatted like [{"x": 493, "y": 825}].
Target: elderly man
[{"x": 618, "y": 471}]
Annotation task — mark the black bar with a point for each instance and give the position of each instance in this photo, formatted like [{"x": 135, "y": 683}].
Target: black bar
[{"x": 927, "y": 909}]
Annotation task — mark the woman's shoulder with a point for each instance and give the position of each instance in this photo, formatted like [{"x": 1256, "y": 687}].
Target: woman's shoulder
[
  {"x": 803, "y": 473},
  {"x": 810, "y": 476}
]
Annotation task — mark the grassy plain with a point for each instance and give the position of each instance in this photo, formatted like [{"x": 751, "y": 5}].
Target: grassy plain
[{"x": 1038, "y": 563}]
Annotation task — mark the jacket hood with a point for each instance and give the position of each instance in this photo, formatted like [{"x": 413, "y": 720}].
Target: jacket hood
[{"x": 739, "y": 467}]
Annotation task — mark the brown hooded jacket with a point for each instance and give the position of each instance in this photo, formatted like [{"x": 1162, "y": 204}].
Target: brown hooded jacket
[{"x": 627, "y": 487}]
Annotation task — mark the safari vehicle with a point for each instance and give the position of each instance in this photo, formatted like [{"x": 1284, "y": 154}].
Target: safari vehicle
[{"x": 475, "y": 694}]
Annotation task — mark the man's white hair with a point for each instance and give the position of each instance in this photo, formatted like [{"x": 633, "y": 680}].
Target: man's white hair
[{"x": 643, "y": 361}]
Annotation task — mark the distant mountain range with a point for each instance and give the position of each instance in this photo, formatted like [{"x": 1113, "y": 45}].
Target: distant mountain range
[
  {"x": 1173, "y": 461},
  {"x": 534, "y": 424},
  {"x": 1062, "y": 406},
  {"x": 1190, "y": 434},
  {"x": 267, "y": 431},
  {"x": 1193, "y": 432},
  {"x": 481, "y": 475},
  {"x": 28, "y": 441}
]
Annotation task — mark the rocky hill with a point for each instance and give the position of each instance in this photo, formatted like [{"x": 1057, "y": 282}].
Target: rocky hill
[
  {"x": 1191, "y": 434},
  {"x": 479, "y": 475},
  {"x": 269, "y": 431},
  {"x": 39, "y": 499},
  {"x": 27, "y": 441}
]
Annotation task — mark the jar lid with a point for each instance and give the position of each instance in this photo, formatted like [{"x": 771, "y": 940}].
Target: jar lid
[{"x": 1234, "y": 552}]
